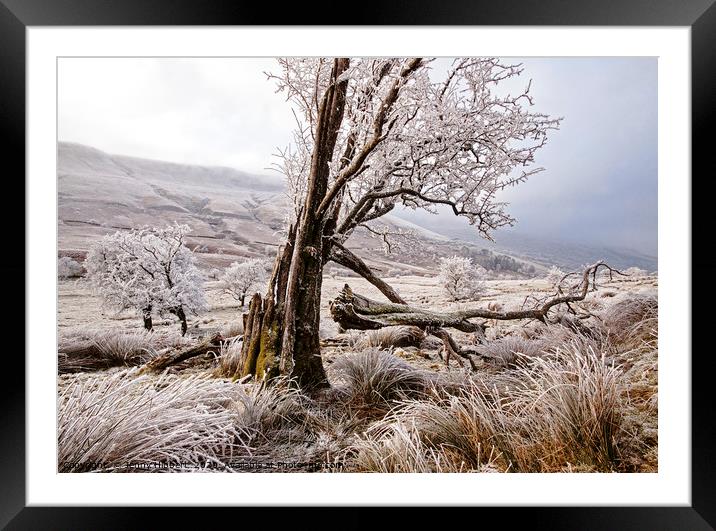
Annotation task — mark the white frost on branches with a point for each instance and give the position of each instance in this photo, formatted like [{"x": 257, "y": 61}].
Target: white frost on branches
[
  {"x": 243, "y": 278},
  {"x": 393, "y": 239},
  {"x": 460, "y": 278},
  {"x": 69, "y": 268},
  {"x": 555, "y": 276},
  {"x": 147, "y": 269},
  {"x": 407, "y": 139}
]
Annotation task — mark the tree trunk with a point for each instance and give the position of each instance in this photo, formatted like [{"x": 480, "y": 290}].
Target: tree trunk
[
  {"x": 281, "y": 329},
  {"x": 243, "y": 299},
  {"x": 262, "y": 352},
  {"x": 356, "y": 312},
  {"x": 147, "y": 316},
  {"x": 179, "y": 312}
]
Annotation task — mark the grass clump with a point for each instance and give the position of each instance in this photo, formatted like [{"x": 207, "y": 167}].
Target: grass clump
[
  {"x": 230, "y": 357},
  {"x": 393, "y": 336},
  {"x": 122, "y": 422},
  {"x": 83, "y": 350},
  {"x": 373, "y": 378},
  {"x": 555, "y": 412}
]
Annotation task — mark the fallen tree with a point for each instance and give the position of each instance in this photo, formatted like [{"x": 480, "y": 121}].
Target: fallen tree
[{"x": 354, "y": 311}]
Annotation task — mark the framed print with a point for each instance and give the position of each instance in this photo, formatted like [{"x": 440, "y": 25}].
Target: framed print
[{"x": 433, "y": 259}]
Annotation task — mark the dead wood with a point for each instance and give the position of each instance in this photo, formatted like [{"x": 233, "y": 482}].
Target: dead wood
[
  {"x": 354, "y": 311},
  {"x": 160, "y": 363},
  {"x": 451, "y": 348},
  {"x": 346, "y": 258},
  {"x": 351, "y": 310}
]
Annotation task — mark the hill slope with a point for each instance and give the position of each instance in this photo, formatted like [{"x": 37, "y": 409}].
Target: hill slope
[{"x": 232, "y": 214}]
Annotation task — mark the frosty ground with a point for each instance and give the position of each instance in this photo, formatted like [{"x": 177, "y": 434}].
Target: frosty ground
[{"x": 543, "y": 398}]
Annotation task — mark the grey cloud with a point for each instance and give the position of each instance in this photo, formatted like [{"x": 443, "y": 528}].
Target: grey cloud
[{"x": 600, "y": 183}]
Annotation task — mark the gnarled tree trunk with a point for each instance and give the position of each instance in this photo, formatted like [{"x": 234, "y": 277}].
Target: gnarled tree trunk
[
  {"x": 354, "y": 311},
  {"x": 281, "y": 329}
]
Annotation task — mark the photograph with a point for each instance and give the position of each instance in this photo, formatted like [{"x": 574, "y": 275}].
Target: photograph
[{"x": 365, "y": 264}]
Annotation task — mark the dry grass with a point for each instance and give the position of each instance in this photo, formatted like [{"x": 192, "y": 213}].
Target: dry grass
[
  {"x": 373, "y": 378},
  {"x": 125, "y": 422},
  {"x": 554, "y": 401},
  {"x": 572, "y": 406},
  {"x": 392, "y": 336},
  {"x": 632, "y": 319},
  {"x": 398, "y": 447},
  {"x": 233, "y": 329},
  {"x": 511, "y": 350},
  {"x": 633, "y": 327},
  {"x": 229, "y": 357},
  {"x": 556, "y": 412},
  {"x": 271, "y": 414},
  {"x": 122, "y": 422},
  {"x": 86, "y": 349}
]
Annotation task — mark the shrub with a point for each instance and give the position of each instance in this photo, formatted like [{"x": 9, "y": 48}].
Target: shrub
[
  {"x": 460, "y": 279},
  {"x": 69, "y": 268},
  {"x": 636, "y": 272},
  {"x": 554, "y": 276}
]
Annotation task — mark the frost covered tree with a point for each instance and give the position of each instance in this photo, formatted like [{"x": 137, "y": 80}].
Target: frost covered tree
[
  {"x": 460, "y": 279},
  {"x": 554, "y": 275},
  {"x": 371, "y": 134},
  {"x": 69, "y": 268},
  {"x": 635, "y": 272},
  {"x": 150, "y": 270},
  {"x": 241, "y": 278}
]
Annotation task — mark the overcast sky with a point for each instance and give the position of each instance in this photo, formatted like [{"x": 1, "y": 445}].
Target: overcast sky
[{"x": 600, "y": 183}]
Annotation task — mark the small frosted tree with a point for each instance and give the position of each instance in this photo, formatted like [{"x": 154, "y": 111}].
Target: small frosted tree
[
  {"x": 555, "y": 276},
  {"x": 460, "y": 278},
  {"x": 636, "y": 272},
  {"x": 241, "y": 278},
  {"x": 69, "y": 268},
  {"x": 150, "y": 270}
]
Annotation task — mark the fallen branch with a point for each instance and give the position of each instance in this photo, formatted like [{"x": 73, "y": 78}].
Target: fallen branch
[
  {"x": 353, "y": 311},
  {"x": 451, "y": 348},
  {"x": 160, "y": 363},
  {"x": 356, "y": 312}
]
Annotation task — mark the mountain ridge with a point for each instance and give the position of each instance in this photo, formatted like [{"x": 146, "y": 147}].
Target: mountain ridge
[{"x": 234, "y": 214}]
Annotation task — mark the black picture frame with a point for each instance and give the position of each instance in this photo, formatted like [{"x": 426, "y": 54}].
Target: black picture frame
[{"x": 17, "y": 15}]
